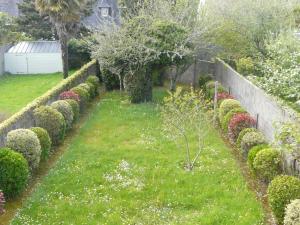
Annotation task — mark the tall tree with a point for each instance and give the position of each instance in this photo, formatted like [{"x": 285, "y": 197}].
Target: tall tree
[{"x": 65, "y": 16}]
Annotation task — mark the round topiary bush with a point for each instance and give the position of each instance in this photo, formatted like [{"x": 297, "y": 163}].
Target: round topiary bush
[
  {"x": 228, "y": 117},
  {"x": 14, "y": 172},
  {"x": 27, "y": 143},
  {"x": 75, "y": 108},
  {"x": 267, "y": 164},
  {"x": 281, "y": 191},
  {"x": 45, "y": 141},
  {"x": 253, "y": 152},
  {"x": 2, "y": 202},
  {"x": 83, "y": 94},
  {"x": 93, "y": 90},
  {"x": 52, "y": 121},
  {"x": 292, "y": 213},
  {"x": 65, "y": 109},
  {"x": 226, "y": 106},
  {"x": 69, "y": 95},
  {"x": 238, "y": 123},
  {"x": 223, "y": 96},
  {"x": 242, "y": 134},
  {"x": 87, "y": 87},
  {"x": 250, "y": 140},
  {"x": 93, "y": 80}
]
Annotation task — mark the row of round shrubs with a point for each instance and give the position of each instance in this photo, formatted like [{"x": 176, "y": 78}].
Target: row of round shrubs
[
  {"x": 26, "y": 148},
  {"x": 265, "y": 162}
]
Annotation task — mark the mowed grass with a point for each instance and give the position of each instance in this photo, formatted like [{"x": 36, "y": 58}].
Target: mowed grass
[
  {"x": 120, "y": 169},
  {"x": 16, "y": 91}
]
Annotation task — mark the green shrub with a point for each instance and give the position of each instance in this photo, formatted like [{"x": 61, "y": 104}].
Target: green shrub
[
  {"x": 65, "y": 109},
  {"x": 267, "y": 164},
  {"x": 83, "y": 94},
  {"x": 252, "y": 154},
  {"x": 292, "y": 213},
  {"x": 52, "y": 121},
  {"x": 111, "y": 81},
  {"x": 93, "y": 80},
  {"x": 226, "y": 106},
  {"x": 93, "y": 90},
  {"x": 250, "y": 140},
  {"x": 75, "y": 108},
  {"x": 242, "y": 134},
  {"x": 229, "y": 116},
  {"x": 27, "y": 143},
  {"x": 45, "y": 141},
  {"x": 281, "y": 191},
  {"x": 87, "y": 88},
  {"x": 245, "y": 66},
  {"x": 14, "y": 172},
  {"x": 210, "y": 89},
  {"x": 204, "y": 79}
]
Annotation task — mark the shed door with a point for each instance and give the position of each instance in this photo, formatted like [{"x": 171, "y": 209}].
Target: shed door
[{"x": 16, "y": 63}]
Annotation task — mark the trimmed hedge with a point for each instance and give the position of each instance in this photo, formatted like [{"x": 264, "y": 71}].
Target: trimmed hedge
[
  {"x": 14, "y": 172},
  {"x": 75, "y": 108},
  {"x": 223, "y": 96},
  {"x": 27, "y": 143},
  {"x": 88, "y": 89},
  {"x": 226, "y": 106},
  {"x": 69, "y": 95},
  {"x": 51, "y": 120},
  {"x": 93, "y": 89},
  {"x": 84, "y": 96},
  {"x": 250, "y": 140},
  {"x": 228, "y": 117},
  {"x": 281, "y": 191},
  {"x": 267, "y": 164},
  {"x": 292, "y": 213},
  {"x": 45, "y": 141},
  {"x": 242, "y": 134},
  {"x": 65, "y": 109},
  {"x": 252, "y": 154},
  {"x": 93, "y": 80},
  {"x": 238, "y": 123}
]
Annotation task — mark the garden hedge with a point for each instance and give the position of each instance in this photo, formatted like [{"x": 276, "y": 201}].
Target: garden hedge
[
  {"x": 250, "y": 140},
  {"x": 88, "y": 89},
  {"x": 75, "y": 108},
  {"x": 27, "y": 143},
  {"x": 228, "y": 117},
  {"x": 69, "y": 95},
  {"x": 14, "y": 172},
  {"x": 292, "y": 213},
  {"x": 242, "y": 134},
  {"x": 281, "y": 191},
  {"x": 93, "y": 80},
  {"x": 84, "y": 96},
  {"x": 65, "y": 109},
  {"x": 253, "y": 152},
  {"x": 52, "y": 121},
  {"x": 226, "y": 106},
  {"x": 45, "y": 141},
  {"x": 221, "y": 96}
]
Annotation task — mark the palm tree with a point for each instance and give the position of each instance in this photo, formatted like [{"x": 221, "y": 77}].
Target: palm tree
[{"x": 65, "y": 17}]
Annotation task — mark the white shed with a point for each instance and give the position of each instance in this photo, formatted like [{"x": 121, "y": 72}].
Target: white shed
[{"x": 35, "y": 57}]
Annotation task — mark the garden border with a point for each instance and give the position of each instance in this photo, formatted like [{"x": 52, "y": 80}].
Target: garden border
[{"x": 24, "y": 118}]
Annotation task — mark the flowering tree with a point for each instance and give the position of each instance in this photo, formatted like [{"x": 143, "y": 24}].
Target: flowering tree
[{"x": 184, "y": 115}]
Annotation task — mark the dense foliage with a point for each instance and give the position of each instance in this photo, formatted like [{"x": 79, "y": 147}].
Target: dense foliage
[
  {"x": 27, "y": 143},
  {"x": 250, "y": 140},
  {"x": 14, "y": 172},
  {"x": 65, "y": 109},
  {"x": 229, "y": 115},
  {"x": 238, "y": 123},
  {"x": 45, "y": 141},
  {"x": 226, "y": 106},
  {"x": 292, "y": 213},
  {"x": 69, "y": 95},
  {"x": 83, "y": 95},
  {"x": 253, "y": 152},
  {"x": 242, "y": 134},
  {"x": 75, "y": 108}
]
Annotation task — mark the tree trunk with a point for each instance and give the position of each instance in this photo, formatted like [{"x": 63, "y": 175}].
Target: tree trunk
[{"x": 65, "y": 55}]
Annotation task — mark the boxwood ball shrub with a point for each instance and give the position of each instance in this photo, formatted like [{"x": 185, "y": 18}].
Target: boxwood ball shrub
[
  {"x": 267, "y": 164},
  {"x": 69, "y": 95},
  {"x": 14, "y": 172},
  {"x": 27, "y": 143},
  {"x": 222, "y": 96},
  {"x": 281, "y": 191},
  {"x": 87, "y": 88},
  {"x": 75, "y": 108},
  {"x": 226, "y": 106},
  {"x": 252, "y": 154},
  {"x": 93, "y": 90},
  {"x": 292, "y": 213},
  {"x": 65, "y": 109},
  {"x": 250, "y": 140},
  {"x": 45, "y": 141},
  {"x": 52, "y": 121},
  {"x": 94, "y": 80},
  {"x": 229, "y": 116},
  {"x": 2, "y": 202},
  {"x": 242, "y": 134},
  {"x": 238, "y": 123},
  {"x": 83, "y": 94}
]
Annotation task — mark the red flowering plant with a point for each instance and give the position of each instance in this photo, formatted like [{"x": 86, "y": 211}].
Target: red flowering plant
[
  {"x": 238, "y": 123},
  {"x": 2, "y": 202},
  {"x": 222, "y": 96},
  {"x": 69, "y": 95}
]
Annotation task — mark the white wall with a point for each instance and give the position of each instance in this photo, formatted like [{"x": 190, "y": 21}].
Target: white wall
[{"x": 33, "y": 63}]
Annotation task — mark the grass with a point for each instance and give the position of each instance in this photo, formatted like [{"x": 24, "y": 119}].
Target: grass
[
  {"x": 119, "y": 169},
  {"x": 17, "y": 91}
]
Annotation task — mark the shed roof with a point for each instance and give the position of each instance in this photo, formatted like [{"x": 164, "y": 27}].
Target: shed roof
[{"x": 36, "y": 47}]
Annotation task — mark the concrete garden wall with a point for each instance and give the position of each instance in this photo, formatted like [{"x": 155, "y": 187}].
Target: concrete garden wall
[{"x": 2, "y": 51}]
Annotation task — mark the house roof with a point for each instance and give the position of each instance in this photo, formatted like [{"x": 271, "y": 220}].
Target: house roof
[{"x": 36, "y": 47}]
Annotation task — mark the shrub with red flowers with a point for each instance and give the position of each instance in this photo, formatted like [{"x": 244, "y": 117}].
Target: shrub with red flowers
[
  {"x": 69, "y": 95},
  {"x": 2, "y": 202},
  {"x": 222, "y": 96},
  {"x": 238, "y": 123}
]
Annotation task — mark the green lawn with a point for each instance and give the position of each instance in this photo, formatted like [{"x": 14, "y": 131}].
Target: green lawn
[
  {"x": 119, "y": 169},
  {"x": 17, "y": 91}
]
